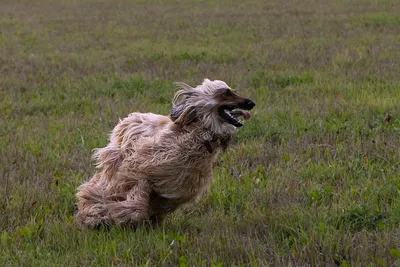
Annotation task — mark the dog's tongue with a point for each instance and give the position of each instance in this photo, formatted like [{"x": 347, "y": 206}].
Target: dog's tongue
[
  {"x": 246, "y": 115},
  {"x": 239, "y": 112}
]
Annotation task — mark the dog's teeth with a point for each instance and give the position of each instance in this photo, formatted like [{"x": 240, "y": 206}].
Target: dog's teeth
[
  {"x": 228, "y": 113},
  {"x": 236, "y": 120}
]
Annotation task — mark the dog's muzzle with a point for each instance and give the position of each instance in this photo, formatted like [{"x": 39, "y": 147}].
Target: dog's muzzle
[{"x": 231, "y": 113}]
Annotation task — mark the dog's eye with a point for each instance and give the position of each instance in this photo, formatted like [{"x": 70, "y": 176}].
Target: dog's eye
[{"x": 228, "y": 93}]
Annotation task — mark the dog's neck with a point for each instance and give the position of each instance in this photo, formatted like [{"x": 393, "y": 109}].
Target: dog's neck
[{"x": 213, "y": 140}]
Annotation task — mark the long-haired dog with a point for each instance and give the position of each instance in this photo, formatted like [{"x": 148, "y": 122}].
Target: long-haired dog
[{"x": 154, "y": 164}]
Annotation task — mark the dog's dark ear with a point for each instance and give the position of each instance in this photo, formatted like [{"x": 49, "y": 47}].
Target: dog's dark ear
[
  {"x": 176, "y": 112},
  {"x": 185, "y": 117},
  {"x": 181, "y": 113}
]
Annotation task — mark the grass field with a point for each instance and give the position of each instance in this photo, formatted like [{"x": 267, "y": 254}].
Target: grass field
[{"x": 312, "y": 179}]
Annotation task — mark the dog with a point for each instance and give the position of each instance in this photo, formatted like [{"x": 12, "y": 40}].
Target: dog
[{"x": 154, "y": 163}]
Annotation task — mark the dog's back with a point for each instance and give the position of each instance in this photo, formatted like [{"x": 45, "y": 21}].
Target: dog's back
[{"x": 123, "y": 138}]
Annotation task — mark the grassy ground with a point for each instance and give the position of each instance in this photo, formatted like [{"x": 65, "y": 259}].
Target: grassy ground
[{"x": 312, "y": 179}]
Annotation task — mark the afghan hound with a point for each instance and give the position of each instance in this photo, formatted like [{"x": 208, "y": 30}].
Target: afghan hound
[{"x": 154, "y": 164}]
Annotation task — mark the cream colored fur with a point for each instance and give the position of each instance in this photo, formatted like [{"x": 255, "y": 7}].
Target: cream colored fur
[{"x": 154, "y": 163}]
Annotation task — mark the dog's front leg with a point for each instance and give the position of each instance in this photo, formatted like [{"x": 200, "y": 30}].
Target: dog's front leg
[{"x": 135, "y": 209}]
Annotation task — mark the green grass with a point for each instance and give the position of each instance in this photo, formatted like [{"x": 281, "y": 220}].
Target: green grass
[{"x": 312, "y": 179}]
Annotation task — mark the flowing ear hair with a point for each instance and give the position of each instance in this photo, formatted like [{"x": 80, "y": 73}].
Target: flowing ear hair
[
  {"x": 187, "y": 115},
  {"x": 183, "y": 86},
  {"x": 182, "y": 113}
]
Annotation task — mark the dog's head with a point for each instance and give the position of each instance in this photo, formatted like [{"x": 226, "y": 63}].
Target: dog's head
[{"x": 213, "y": 103}]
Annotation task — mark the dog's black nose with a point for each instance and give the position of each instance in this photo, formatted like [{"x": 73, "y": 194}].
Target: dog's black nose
[{"x": 250, "y": 103}]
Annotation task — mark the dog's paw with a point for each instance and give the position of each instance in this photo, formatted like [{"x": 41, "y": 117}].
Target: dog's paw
[{"x": 125, "y": 215}]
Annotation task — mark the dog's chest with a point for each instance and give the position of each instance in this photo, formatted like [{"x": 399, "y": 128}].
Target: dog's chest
[
  {"x": 182, "y": 165},
  {"x": 185, "y": 182}
]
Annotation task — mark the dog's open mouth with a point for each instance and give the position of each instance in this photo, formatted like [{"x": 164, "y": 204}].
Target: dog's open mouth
[{"x": 231, "y": 115}]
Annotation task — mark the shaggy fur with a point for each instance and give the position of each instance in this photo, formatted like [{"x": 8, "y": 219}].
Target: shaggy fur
[{"x": 154, "y": 164}]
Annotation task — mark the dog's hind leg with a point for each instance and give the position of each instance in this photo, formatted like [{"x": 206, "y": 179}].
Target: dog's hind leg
[
  {"x": 91, "y": 206},
  {"x": 134, "y": 211}
]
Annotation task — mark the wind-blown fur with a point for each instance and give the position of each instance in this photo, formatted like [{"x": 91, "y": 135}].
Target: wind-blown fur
[{"x": 154, "y": 164}]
